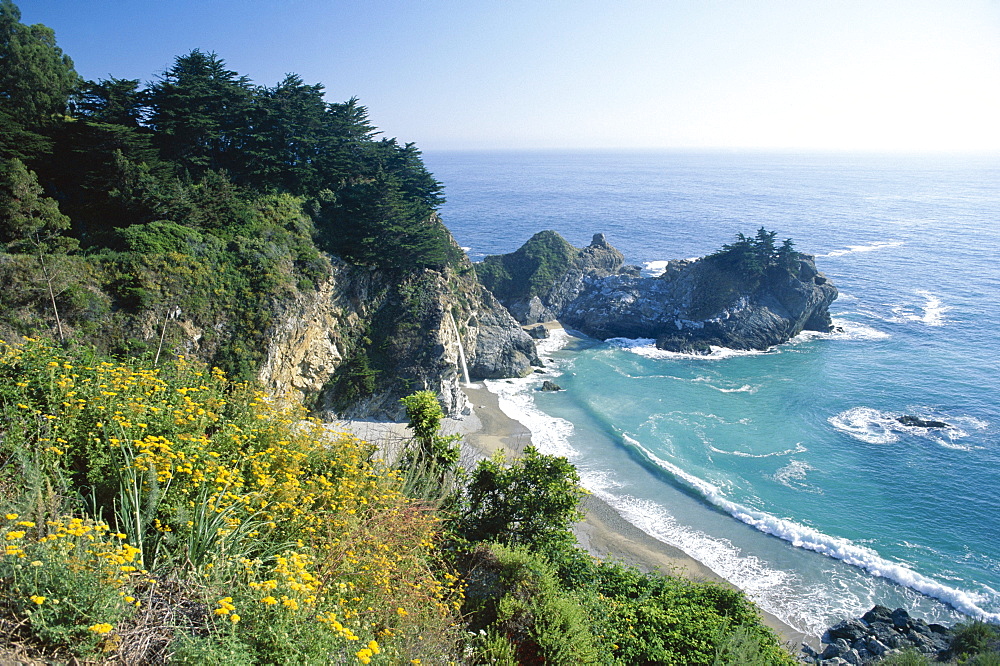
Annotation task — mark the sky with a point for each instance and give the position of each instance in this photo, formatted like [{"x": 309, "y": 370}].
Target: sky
[{"x": 802, "y": 75}]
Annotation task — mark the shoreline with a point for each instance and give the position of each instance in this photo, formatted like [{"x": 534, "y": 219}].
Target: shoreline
[{"x": 603, "y": 532}]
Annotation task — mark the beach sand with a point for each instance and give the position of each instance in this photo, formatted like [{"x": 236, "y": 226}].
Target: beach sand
[{"x": 603, "y": 532}]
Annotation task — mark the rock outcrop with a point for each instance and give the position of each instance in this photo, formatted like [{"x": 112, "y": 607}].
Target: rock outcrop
[
  {"x": 878, "y": 634},
  {"x": 540, "y": 279},
  {"x": 693, "y": 305}
]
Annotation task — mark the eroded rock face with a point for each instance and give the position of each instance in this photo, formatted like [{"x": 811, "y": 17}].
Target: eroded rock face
[
  {"x": 409, "y": 333},
  {"x": 693, "y": 305},
  {"x": 696, "y": 304},
  {"x": 536, "y": 282}
]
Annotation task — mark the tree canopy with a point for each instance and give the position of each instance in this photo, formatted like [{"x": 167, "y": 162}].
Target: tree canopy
[{"x": 116, "y": 153}]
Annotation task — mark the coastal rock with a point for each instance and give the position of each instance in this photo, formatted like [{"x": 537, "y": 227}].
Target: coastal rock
[
  {"x": 877, "y": 634},
  {"x": 692, "y": 306},
  {"x": 917, "y": 422},
  {"x": 538, "y": 332},
  {"x": 550, "y": 386},
  {"x": 536, "y": 282}
]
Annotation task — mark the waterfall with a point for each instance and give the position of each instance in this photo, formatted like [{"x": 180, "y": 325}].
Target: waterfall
[{"x": 461, "y": 351}]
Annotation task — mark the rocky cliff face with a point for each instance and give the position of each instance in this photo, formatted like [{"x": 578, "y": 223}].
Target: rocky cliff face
[
  {"x": 693, "y": 305},
  {"x": 540, "y": 279},
  {"x": 365, "y": 339}
]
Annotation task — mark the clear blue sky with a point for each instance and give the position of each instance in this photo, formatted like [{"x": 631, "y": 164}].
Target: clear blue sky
[{"x": 880, "y": 75}]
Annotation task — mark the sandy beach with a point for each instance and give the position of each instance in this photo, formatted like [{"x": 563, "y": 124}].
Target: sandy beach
[{"x": 603, "y": 532}]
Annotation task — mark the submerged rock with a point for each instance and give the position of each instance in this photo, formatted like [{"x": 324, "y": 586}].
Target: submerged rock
[{"x": 917, "y": 422}]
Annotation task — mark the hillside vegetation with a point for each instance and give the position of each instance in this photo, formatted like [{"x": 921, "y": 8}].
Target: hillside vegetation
[{"x": 158, "y": 507}]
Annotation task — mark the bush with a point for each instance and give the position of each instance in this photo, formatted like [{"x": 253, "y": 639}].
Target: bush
[
  {"x": 288, "y": 538},
  {"x": 533, "y": 501},
  {"x": 972, "y": 638}
]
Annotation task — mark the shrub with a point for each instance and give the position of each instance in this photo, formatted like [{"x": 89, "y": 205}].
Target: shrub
[{"x": 289, "y": 537}]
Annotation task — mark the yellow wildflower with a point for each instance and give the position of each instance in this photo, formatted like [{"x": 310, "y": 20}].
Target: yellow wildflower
[
  {"x": 101, "y": 628},
  {"x": 38, "y": 599}
]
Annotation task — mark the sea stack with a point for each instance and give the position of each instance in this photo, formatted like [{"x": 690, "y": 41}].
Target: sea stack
[{"x": 693, "y": 306}]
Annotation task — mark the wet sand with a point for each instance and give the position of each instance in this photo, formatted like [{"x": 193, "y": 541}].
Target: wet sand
[{"x": 603, "y": 532}]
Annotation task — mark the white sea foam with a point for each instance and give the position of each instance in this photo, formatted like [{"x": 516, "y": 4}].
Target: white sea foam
[
  {"x": 838, "y": 548},
  {"x": 873, "y": 426},
  {"x": 646, "y": 347},
  {"x": 549, "y": 434},
  {"x": 844, "y": 329},
  {"x": 932, "y": 311},
  {"x": 744, "y": 454},
  {"x": 793, "y": 475},
  {"x": 655, "y": 268},
  {"x": 852, "y": 249},
  {"x": 867, "y": 425},
  {"x": 776, "y": 591},
  {"x": 745, "y": 388}
]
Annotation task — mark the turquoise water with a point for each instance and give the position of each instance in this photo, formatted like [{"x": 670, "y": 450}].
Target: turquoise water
[{"x": 784, "y": 471}]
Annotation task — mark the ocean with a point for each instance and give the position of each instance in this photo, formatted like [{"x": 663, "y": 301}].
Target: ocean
[{"x": 784, "y": 471}]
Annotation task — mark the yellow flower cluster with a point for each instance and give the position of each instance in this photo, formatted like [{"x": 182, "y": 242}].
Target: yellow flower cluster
[{"x": 239, "y": 472}]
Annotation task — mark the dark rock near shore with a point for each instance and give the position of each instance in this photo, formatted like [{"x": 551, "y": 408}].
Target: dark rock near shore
[
  {"x": 917, "y": 422},
  {"x": 877, "y": 634},
  {"x": 538, "y": 332},
  {"x": 550, "y": 386}
]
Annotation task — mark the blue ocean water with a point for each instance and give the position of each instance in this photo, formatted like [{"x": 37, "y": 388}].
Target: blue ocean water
[{"x": 784, "y": 471}]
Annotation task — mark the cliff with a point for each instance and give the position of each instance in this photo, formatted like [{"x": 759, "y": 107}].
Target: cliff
[
  {"x": 693, "y": 305},
  {"x": 366, "y": 338}
]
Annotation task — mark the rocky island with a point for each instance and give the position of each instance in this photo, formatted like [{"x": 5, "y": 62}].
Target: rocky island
[{"x": 752, "y": 294}]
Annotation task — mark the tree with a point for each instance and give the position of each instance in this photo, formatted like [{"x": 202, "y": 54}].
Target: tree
[
  {"x": 533, "y": 501},
  {"x": 115, "y": 101},
  {"x": 36, "y": 78},
  {"x": 286, "y": 142},
  {"x": 36, "y": 81},
  {"x": 200, "y": 113},
  {"x": 424, "y": 413},
  {"x": 31, "y": 223}
]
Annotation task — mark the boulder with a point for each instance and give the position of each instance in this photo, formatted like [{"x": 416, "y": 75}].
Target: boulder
[
  {"x": 538, "y": 332},
  {"x": 550, "y": 386},
  {"x": 849, "y": 630},
  {"x": 878, "y": 613}
]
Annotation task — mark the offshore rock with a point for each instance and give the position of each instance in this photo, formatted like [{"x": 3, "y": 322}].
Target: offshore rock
[
  {"x": 540, "y": 279},
  {"x": 692, "y": 306},
  {"x": 917, "y": 422}
]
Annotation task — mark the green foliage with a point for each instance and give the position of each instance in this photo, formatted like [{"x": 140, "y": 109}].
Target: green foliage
[
  {"x": 533, "y": 501},
  {"x": 236, "y": 523},
  {"x": 29, "y": 221},
  {"x": 752, "y": 257},
  {"x": 910, "y": 657},
  {"x": 972, "y": 638},
  {"x": 515, "y": 593},
  {"x": 36, "y": 81},
  {"x": 529, "y": 270},
  {"x": 424, "y": 414}
]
